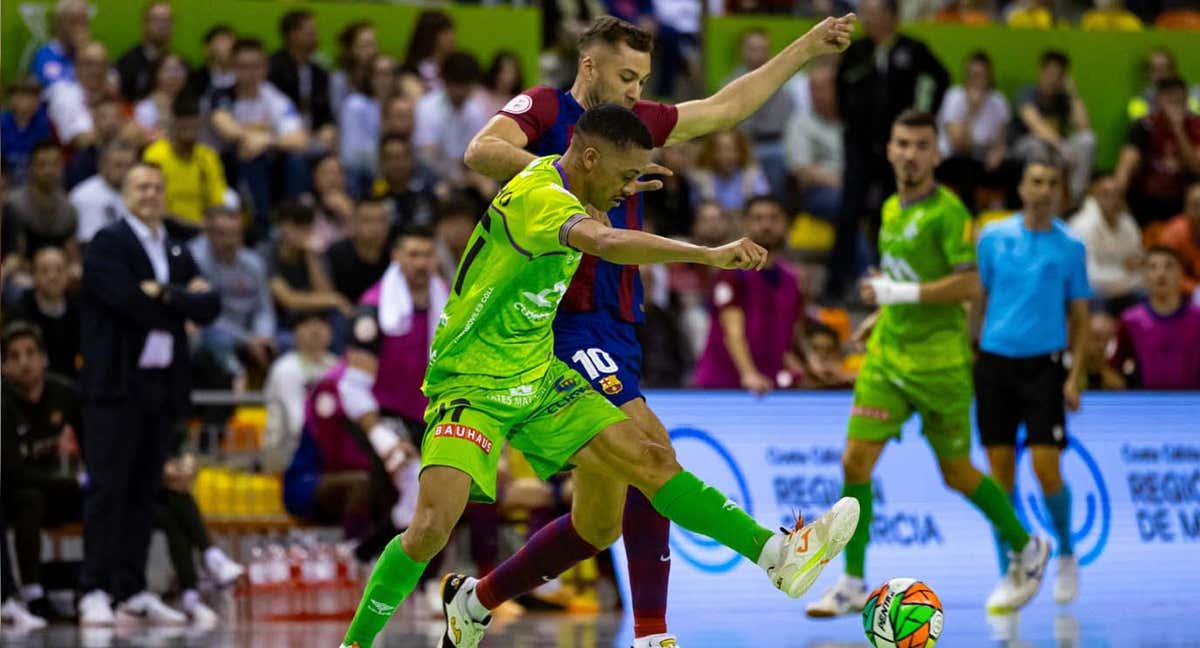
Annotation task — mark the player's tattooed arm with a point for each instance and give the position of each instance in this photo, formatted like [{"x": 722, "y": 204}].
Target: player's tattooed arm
[{"x": 633, "y": 247}]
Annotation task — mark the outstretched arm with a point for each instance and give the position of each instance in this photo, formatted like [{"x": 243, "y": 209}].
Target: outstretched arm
[
  {"x": 633, "y": 247},
  {"x": 498, "y": 150},
  {"x": 747, "y": 93}
]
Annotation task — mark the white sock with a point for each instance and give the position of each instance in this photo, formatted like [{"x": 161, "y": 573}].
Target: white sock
[
  {"x": 770, "y": 552},
  {"x": 190, "y": 599},
  {"x": 476, "y": 609},
  {"x": 853, "y": 581},
  {"x": 549, "y": 588},
  {"x": 32, "y": 592}
]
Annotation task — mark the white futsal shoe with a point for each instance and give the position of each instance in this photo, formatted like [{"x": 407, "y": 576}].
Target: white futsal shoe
[
  {"x": 804, "y": 551},
  {"x": 656, "y": 641},
  {"x": 847, "y": 596},
  {"x": 462, "y": 631}
]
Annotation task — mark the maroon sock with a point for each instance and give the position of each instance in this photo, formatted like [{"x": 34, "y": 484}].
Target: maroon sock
[
  {"x": 484, "y": 521},
  {"x": 646, "y": 545},
  {"x": 550, "y": 552}
]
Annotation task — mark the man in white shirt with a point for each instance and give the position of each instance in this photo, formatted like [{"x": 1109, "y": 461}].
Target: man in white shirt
[
  {"x": 287, "y": 387},
  {"x": 69, "y": 101},
  {"x": 263, "y": 126},
  {"x": 1114, "y": 246},
  {"x": 97, "y": 200},
  {"x": 447, "y": 118},
  {"x": 813, "y": 145}
]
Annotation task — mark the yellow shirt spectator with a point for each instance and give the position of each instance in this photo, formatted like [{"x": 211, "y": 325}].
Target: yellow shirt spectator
[
  {"x": 1031, "y": 18},
  {"x": 1110, "y": 20},
  {"x": 194, "y": 183}
]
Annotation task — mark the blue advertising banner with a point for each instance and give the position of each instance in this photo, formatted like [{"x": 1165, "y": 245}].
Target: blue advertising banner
[{"x": 1133, "y": 465}]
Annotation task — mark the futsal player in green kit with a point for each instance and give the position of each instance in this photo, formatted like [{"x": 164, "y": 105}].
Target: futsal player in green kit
[
  {"x": 919, "y": 360},
  {"x": 493, "y": 378}
]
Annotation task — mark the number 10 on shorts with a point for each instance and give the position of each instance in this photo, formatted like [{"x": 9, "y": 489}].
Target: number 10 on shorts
[{"x": 594, "y": 362}]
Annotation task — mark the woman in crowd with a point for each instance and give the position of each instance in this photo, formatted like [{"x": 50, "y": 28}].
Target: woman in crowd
[
  {"x": 153, "y": 114},
  {"x": 357, "y": 45},
  {"x": 503, "y": 80},
  {"x": 726, "y": 171},
  {"x": 360, "y": 124},
  {"x": 433, "y": 38}
]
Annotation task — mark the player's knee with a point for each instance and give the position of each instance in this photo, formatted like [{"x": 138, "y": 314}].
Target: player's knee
[
  {"x": 855, "y": 468},
  {"x": 1046, "y": 469},
  {"x": 428, "y": 534},
  {"x": 961, "y": 477},
  {"x": 659, "y": 464},
  {"x": 598, "y": 533}
]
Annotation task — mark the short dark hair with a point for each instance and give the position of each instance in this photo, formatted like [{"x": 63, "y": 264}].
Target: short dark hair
[
  {"x": 813, "y": 328},
  {"x": 913, "y": 118},
  {"x": 187, "y": 104},
  {"x": 304, "y": 316},
  {"x": 765, "y": 199},
  {"x": 390, "y": 138},
  {"x": 218, "y": 30},
  {"x": 248, "y": 44},
  {"x": 45, "y": 145},
  {"x": 1054, "y": 56},
  {"x": 296, "y": 213},
  {"x": 616, "y": 124},
  {"x": 371, "y": 201},
  {"x": 214, "y": 211},
  {"x": 22, "y": 329},
  {"x": 413, "y": 231},
  {"x": 461, "y": 67},
  {"x": 1043, "y": 154},
  {"x": 1168, "y": 251},
  {"x": 292, "y": 21},
  {"x": 758, "y": 30},
  {"x": 458, "y": 203},
  {"x": 26, "y": 86},
  {"x": 614, "y": 31},
  {"x": 1170, "y": 84},
  {"x": 119, "y": 145}
]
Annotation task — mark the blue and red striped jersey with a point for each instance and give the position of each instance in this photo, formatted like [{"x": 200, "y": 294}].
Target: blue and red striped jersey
[{"x": 548, "y": 116}]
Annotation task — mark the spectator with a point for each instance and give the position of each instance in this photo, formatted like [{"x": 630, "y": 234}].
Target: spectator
[
  {"x": 448, "y": 117},
  {"x": 1052, "y": 112},
  {"x": 1102, "y": 342},
  {"x": 503, "y": 80},
  {"x": 1159, "y": 66},
  {"x": 264, "y": 132},
  {"x": 1110, "y": 15},
  {"x": 677, "y": 42},
  {"x": 41, "y": 423},
  {"x": 1031, "y": 14},
  {"x": 14, "y": 270},
  {"x": 70, "y": 101},
  {"x": 246, "y": 325},
  {"x": 1158, "y": 346},
  {"x": 359, "y": 260},
  {"x": 13, "y": 612},
  {"x": 287, "y": 385},
  {"x": 404, "y": 186},
  {"x": 726, "y": 172},
  {"x": 194, "y": 175},
  {"x": 22, "y": 126},
  {"x": 332, "y": 202},
  {"x": 299, "y": 282},
  {"x": 109, "y": 124},
  {"x": 456, "y": 220},
  {"x": 816, "y": 357},
  {"x": 814, "y": 141},
  {"x": 303, "y": 80},
  {"x": 766, "y": 126},
  {"x": 399, "y": 114},
  {"x": 139, "y": 67},
  {"x": 754, "y": 314},
  {"x": 878, "y": 77},
  {"x": 671, "y": 210},
  {"x": 97, "y": 200},
  {"x": 361, "y": 123},
  {"x": 1114, "y": 246},
  {"x": 217, "y": 73},
  {"x": 1182, "y": 234},
  {"x": 1161, "y": 155},
  {"x": 973, "y": 123},
  {"x": 53, "y": 311},
  {"x": 153, "y": 114},
  {"x": 55, "y": 61},
  {"x": 432, "y": 41},
  {"x": 41, "y": 207},
  {"x": 139, "y": 288},
  {"x": 357, "y": 45}
]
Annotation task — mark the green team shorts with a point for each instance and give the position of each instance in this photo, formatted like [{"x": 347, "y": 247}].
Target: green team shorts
[
  {"x": 884, "y": 398},
  {"x": 468, "y": 422}
]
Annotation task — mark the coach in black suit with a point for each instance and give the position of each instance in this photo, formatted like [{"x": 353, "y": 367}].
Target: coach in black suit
[{"x": 139, "y": 288}]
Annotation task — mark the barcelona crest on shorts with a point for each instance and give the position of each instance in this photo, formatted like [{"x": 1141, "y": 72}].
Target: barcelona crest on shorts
[{"x": 611, "y": 385}]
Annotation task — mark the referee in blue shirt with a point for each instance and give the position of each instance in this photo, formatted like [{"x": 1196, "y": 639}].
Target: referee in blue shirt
[{"x": 1034, "y": 279}]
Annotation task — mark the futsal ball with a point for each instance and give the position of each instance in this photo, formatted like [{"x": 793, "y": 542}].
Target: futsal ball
[{"x": 903, "y": 613}]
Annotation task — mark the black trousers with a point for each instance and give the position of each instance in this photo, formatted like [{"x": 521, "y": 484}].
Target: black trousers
[
  {"x": 34, "y": 505},
  {"x": 183, "y": 525},
  {"x": 125, "y": 445},
  {"x": 8, "y": 584}
]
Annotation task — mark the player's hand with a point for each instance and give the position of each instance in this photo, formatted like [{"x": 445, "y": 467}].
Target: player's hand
[
  {"x": 152, "y": 289},
  {"x": 198, "y": 285},
  {"x": 866, "y": 287},
  {"x": 757, "y": 383},
  {"x": 742, "y": 254},
  {"x": 640, "y": 185},
  {"x": 830, "y": 36},
  {"x": 1071, "y": 393}
]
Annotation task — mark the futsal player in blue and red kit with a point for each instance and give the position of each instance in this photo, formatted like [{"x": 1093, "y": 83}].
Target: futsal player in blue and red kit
[{"x": 595, "y": 329}]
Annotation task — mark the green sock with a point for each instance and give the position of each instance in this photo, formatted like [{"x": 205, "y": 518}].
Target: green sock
[
  {"x": 990, "y": 498},
  {"x": 700, "y": 508},
  {"x": 856, "y": 549},
  {"x": 393, "y": 579}
]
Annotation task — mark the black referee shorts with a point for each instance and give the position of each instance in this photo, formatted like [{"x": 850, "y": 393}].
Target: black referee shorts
[{"x": 1011, "y": 391}]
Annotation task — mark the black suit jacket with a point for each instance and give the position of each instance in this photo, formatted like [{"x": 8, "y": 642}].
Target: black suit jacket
[
  {"x": 118, "y": 316},
  {"x": 286, "y": 76}
]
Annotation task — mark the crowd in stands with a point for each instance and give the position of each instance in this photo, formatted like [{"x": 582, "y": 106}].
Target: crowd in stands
[{"x": 302, "y": 190}]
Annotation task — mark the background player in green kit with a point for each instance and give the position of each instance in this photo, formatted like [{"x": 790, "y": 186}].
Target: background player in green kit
[
  {"x": 493, "y": 377},
  {"x": 918, "y": 360}
]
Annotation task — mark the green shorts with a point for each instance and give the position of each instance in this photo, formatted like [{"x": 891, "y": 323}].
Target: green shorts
[
  {"x": 884, "y": 398},
  {"x": 468, "y": 422}
]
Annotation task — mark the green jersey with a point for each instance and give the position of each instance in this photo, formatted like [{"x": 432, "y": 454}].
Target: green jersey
[
  {"x": 924, "y": 242},
  {"x": 496, "y": 327}
]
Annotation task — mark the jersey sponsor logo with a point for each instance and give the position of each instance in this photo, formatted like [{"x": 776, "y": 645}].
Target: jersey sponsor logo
[
  {"x": 518, "y": 105},
  {"x": 866, "y": 411},
  {"x": 545, "y": 302},
  {"x": 458, "y": 431},
  {"x": 565, "y": 384},
  {"x": 611, "y": 385},
  {"x": 571, "y": 397},
  {"x": 722, "y": 294},
  {"x": 381, "y": 608},
  {"x": 366, "y": 330},
  {"x": 897, "y": 268},
  {"x": 325, "y": 404},
  {"x": 519, "y": 396}
]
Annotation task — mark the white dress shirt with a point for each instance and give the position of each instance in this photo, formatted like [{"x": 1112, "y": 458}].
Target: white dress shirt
[
  {"x": 97, "y": 205},
  {"x": 159, "y": 349}
]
